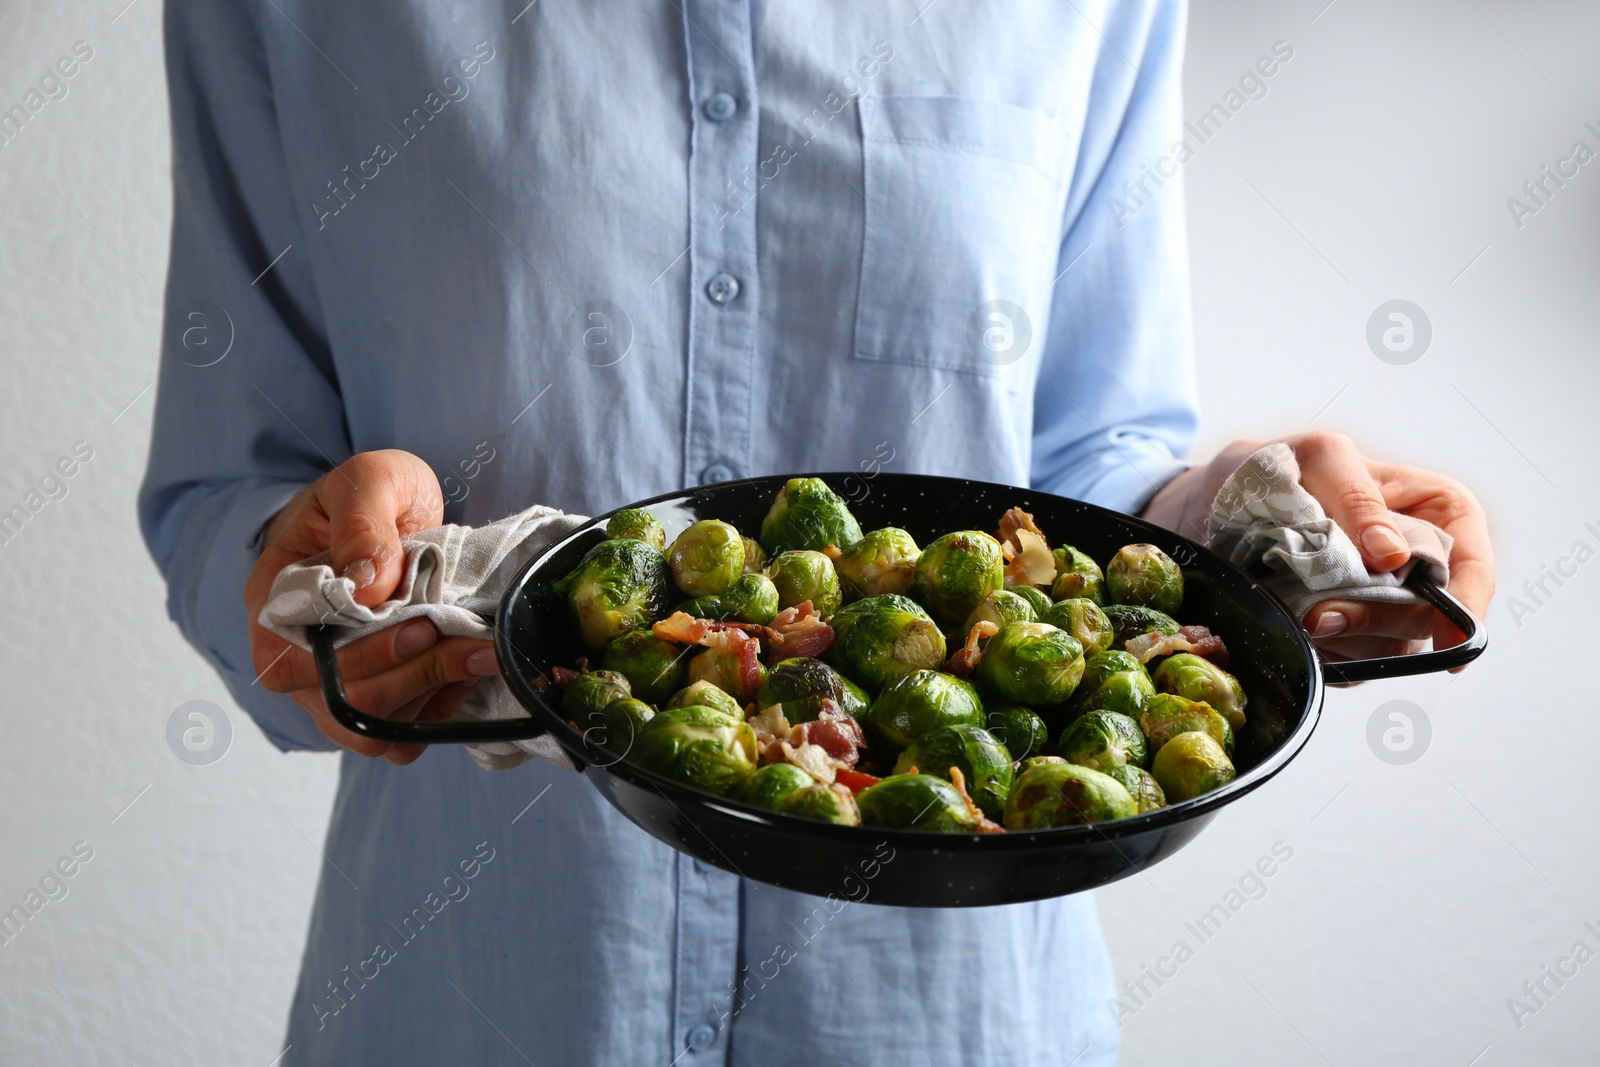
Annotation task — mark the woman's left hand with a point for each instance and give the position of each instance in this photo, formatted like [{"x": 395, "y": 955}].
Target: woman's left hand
[{"x": 1360, "y": 494}]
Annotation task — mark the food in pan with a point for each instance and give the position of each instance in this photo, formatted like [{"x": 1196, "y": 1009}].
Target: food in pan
[{"x": 983, "y": 683}]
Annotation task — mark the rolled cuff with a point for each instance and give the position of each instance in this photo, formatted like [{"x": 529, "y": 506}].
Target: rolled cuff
[
  {"x": 210, "y": 610},
  {"x": 1122, "y": 477}
]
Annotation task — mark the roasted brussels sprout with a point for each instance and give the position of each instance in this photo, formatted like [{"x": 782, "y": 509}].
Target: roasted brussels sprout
[
  {"x": 1145, "y": 575},
  {"x": 1022, "y": 731},
  {"x": 984, "y": 763},
  {"x": 1031, "y": 663},
  {"x": 1065, "y": 794},
  {"x": 830, "y": 803},
  {"x": 921, "y": 701},
  {"x": 1166, "y": 715},
  {"x": 883, "y": 561},
  {"x": 802, "y": 574},
  {"x": 1197, "y": 678},
  {"x": 915, "y": 802},
  {"x": 748, "y": 598},
  {"x": 1191, "y": 764},
  {"x": 1102, "y": 740},
  {"x": 800, "y": 685},
  {"x": 590, "y": 693},
  {"x": 1077, "y": 576},
  {"x": 1083, "y": 619},
  {"x": 638, "y": 524},
  {"x": 1140, "y": 784},
  {"x": 654, "y": 667},
  {"x": 770, "y": 786},
  {"x": 755, "y": 557},
  {"x": 725, "y": 670},
  {"x": 619, "y": 725},
  {"x": 618, "y": 586},
  {"x": 957, "y": 571},
  {"x": 807, "y": 514},
  {"x": 707, "y": 557},
  {"x": 704, "y": 694},
  {"x": 1000, "y": 607},
  {"x": 699, "y": 746},
  {"x": 1037, "y": 599},
  {"x": 1113, "y": 681},
  {"x": 882, "y": 638},
  {"x": 1037, "y": 761},
  {"x": 1130, "y": 620}
]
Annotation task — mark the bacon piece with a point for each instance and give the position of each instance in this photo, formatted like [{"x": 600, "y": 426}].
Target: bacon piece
[
  {"x": 1197, "y": 639},
  {"x": 790, "y": 615},
  {"x": 854, "y": 780},
  {"x": 810, "y": 637},
  {"x": 736, "y": 638},
  {"x": 563, "y": 676},
  {"x": 967, "y": 657},
  {"x": 1027, "y": 553},
  {"x": 834, "y": 732},
  {"x": 833, "y": 552},
  {"x": 797, "y": 631},
  {"x": 985, "y": 826},
  {"x": 1016, "y": 519},
  {"x": 727, "y": 640},
  {"x": 770, "y": 727},
  {"x": 682, "y": 627},
  {"x": 749, "y": 665},
  {"x": 1032, "y": 564},
  {"x": 811, "y": 759}
]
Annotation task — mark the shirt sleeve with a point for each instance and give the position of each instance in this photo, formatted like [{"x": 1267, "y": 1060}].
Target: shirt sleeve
[
  {"x": 1115, "y": 404},
  {"x": 247, "y": 410}
]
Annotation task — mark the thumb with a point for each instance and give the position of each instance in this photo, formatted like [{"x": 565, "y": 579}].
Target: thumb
[
  {"x": 1333, "y": 471},
  {"x": 372, "y": 500}
]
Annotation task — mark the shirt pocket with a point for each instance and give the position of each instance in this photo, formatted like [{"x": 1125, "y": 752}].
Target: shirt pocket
[{"x": 964, "y": 203}]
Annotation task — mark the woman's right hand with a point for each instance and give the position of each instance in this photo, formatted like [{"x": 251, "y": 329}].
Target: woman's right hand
[{"x": 359, "y": 511}]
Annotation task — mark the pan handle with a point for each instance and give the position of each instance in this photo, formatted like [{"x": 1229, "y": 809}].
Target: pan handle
[
  {"x": 403, "y": 733},
  {"x": 1443, "y": 659}
]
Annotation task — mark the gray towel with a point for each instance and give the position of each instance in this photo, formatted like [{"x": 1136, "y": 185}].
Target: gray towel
[
  {"x": 1263, "y": 520},
  {"x": 455, "y": 575}
]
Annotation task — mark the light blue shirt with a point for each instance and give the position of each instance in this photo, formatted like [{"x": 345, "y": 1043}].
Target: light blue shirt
[{"x": 580, "y": 253}]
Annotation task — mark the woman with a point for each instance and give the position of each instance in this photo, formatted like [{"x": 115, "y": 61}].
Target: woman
[{"x": 476, "y": 257}]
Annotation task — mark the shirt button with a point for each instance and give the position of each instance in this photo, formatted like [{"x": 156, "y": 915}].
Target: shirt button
[
  {"x": 701, "y": 1035},
  {"x": 718, "y": 472},
  {"x": 722, "y": 288},
  {"x": 720, "y": 107}
]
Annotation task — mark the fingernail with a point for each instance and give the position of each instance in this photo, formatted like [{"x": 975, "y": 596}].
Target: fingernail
[
  {"x": 361, "y": 571},
  {"x": 1381, "y": 542},
  {"x": 1330, "y": 623},
  {"x": 483, "y": 662},
  {"x": 414, "y": 638}
]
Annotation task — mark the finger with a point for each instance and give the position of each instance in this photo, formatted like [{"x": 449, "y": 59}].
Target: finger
[
  {"x": 453, "y": 659},
  {"x": 364, "y": 658},
  {"x": 436, "y": 707},
  {"x": 403, "y": 755},
  {"x": 372, "y": 500},
  {"x": 311, "y": 700},
  {"x": 1452, "y": 507},
  {"x": 1336, "y": 474},
  {"x": 1360, "y": 618},
  {"x": 1472, "y": 583}
]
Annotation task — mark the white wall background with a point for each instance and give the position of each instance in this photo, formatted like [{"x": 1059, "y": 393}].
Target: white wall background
[{"x": 1419, "y": 897}]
